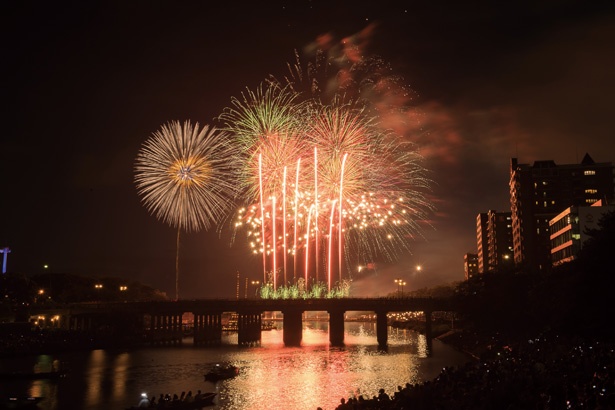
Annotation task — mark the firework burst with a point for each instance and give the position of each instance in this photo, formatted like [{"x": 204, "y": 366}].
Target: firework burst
[
  {"x": 267, "y": 124},
  {"x": 184, "y": 175},
  {"x": 326, "y": 186}
]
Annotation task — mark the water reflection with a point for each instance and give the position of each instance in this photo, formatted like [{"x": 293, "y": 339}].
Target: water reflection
[
  {"x": 271, "y": 375},
  {"x": 94, "y": 377}
]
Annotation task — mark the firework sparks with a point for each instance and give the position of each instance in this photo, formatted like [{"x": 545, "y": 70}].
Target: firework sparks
[
  {"x": 357, "y": 187},
  {"x": 184, "y": 175}
]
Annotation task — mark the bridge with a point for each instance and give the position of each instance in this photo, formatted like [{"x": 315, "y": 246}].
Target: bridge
[{"x": 160, "y": 322}]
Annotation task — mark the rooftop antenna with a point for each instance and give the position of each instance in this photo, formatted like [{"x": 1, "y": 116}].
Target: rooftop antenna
[{"x": 6, "y": 252}]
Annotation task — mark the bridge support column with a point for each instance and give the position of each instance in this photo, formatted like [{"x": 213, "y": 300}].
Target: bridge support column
[
  {"x": 428, "y": 333},
  {"x": 248, "y": 328},
  {"x": 178, "y": 331},
  {"x": 207, "y": 328},
  {"x": 292, "y": 327},
  {"x": 382, "y": 327},
  {"x": 81, "y": 323},
  {"x": 336, "y": 327},
  {"x": 166, "y": 328}
]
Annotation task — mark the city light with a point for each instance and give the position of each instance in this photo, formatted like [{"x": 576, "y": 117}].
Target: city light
[{"x": 400, "y": 286}]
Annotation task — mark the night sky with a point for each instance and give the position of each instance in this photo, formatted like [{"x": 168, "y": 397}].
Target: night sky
[{"x": 86, "y": 83}]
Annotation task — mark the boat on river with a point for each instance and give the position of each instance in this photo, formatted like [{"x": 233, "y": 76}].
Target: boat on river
[
  {"x": 206, "y": 399},
  {"x": 219, "y": 372}
]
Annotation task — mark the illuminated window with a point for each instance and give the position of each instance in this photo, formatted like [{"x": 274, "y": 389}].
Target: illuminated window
[
  {"x": 590, "y": 200},
  {"x": 591, "y": 191},
  {"x": 576, "y": 236},
  {"x": 589, "y": 172}
]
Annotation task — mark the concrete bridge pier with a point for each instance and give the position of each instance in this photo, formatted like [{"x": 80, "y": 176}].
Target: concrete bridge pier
[
  {"x": 248, "y": 328},
  {"x": 207, "y": 329},
  {"x": 336, "y": 327},
  {"x": 428, "y": 332},
  {"x": 382, "y": 327},
  {"x": 292, "y": 327},
  {"x": 80, "y": 322},
  {"x": 165, "y": 329}
]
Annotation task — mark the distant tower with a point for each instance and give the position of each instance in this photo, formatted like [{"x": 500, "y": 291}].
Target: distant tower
[{"x": 6, "y": 252}]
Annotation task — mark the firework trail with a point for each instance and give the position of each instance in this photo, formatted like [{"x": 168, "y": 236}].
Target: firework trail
[
  {"x": 266, "y": 122},
  {"x": 356, "y": 187},
  {"x": 185, "y": 176}
]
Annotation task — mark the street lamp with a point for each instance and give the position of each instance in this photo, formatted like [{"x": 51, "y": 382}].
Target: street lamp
[
  {"x": 400, "y": 284},
  {"x": 255, "y": 283}
]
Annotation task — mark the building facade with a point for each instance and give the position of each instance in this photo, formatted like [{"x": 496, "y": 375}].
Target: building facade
[
  {"x": 539, "y": 192},
  {"x": 482, "y": 245},
  {"x": 568, "y": 230},
  {"x": 499, "y": 240},
  {"x": 494, "y": 240},
  {"x": 470, "y": 265}
]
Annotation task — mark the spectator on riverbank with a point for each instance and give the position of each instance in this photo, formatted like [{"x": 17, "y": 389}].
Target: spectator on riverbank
[{"x": 542, "y": 373}]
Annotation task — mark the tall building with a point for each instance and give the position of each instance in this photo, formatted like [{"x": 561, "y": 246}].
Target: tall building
[
  {"x": 568, "y": 230},
  {"x": 481, "y": 241},
  {"x": 493, "y": 240},
  {"x": 539, "y": 192},
  {"x": 499, "y": 240},
  {"x": 470, "y": 265}
]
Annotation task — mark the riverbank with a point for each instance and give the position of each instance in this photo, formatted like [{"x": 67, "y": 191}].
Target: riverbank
[{"x": 547, "y": 372}]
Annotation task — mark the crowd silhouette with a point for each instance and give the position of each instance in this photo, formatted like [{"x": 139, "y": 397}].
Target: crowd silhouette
[{"x": 547, "y": 373}]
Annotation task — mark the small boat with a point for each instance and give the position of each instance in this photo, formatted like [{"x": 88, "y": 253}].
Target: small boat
[
  {"x": 21, "y": 402},
  {"x": 219, "y": 372},
  {"x": 206, "y": 399}
]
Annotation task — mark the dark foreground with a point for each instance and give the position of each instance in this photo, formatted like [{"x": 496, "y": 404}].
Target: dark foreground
[{"x": 541, "y": 373}]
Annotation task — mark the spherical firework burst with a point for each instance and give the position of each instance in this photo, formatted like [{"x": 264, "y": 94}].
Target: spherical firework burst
[{"x": 184, "y": 175}]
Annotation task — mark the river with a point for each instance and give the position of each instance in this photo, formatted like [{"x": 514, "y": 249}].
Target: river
[{"x": 272, "y": 376}]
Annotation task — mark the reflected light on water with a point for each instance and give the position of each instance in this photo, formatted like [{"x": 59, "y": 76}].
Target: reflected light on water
[
  {"x": 120, "y": 374},
  {"x": 271, "y": 375},
  {"x": 95, "y": 377}
]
